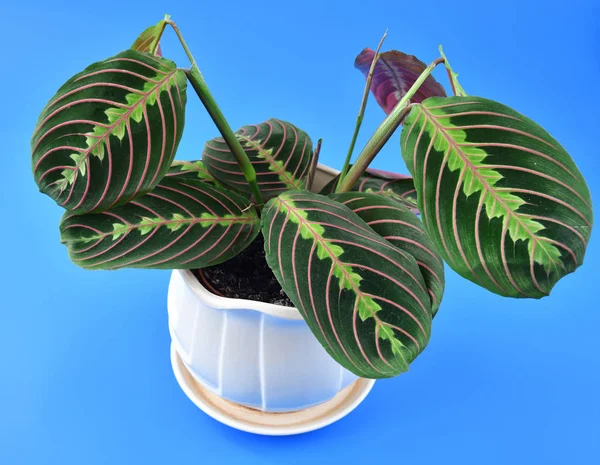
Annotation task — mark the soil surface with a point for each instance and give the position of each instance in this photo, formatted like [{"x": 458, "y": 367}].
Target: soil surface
[{"x": 246, "y": 276}]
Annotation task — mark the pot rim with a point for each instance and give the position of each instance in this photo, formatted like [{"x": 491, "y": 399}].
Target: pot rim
[{"x": 227, "y": 303}]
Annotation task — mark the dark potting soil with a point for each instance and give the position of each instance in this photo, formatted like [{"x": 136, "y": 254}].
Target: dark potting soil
[{"x": 246, "y": 276}]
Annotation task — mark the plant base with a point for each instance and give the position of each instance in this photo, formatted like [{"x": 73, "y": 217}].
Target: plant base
[{"x": 272, "y": 424}]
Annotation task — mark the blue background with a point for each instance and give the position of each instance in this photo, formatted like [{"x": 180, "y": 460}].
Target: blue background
[{"x": 84, "y": 356}]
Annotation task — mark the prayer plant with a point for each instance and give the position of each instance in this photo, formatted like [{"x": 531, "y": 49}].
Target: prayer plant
[{"x": 492, "y": 194}]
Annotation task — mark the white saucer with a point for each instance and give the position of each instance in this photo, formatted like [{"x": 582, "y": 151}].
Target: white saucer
[{"x": 272, "y": 424}]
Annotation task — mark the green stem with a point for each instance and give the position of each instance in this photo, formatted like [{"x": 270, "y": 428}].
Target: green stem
[
  {"x": 181, "y": 39},
  {"x": 361, "y": 112},
  {"x": 384, "y": 131},
  {"x": 199, "y": 84}
]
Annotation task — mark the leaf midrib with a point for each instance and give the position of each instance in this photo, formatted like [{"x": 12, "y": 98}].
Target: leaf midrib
[
  {"x": 288, "y": 178},
  {"x": 333, "y": 257},
  {"x": 192, "y": 167},
  {"x": 108, "y": 132},
  {"x": 158, "y": 224}
]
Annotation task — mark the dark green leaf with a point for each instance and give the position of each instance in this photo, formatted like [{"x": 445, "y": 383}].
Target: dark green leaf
[
  {"x": 364, "y": 299},
  {"x": 180, "y": 224},
  {"x": 110, "y": 133},
  {"x": 280, "y": 153},
  {"x": 399, "y": 226},
  {"x": 502, "y": 201}
]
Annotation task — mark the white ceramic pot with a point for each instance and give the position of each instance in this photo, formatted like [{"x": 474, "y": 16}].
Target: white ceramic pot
[{"x": 259, "y": 355}]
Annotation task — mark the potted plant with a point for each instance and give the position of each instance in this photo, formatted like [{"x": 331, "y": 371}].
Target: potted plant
[{"x": 295, "y": 285}]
